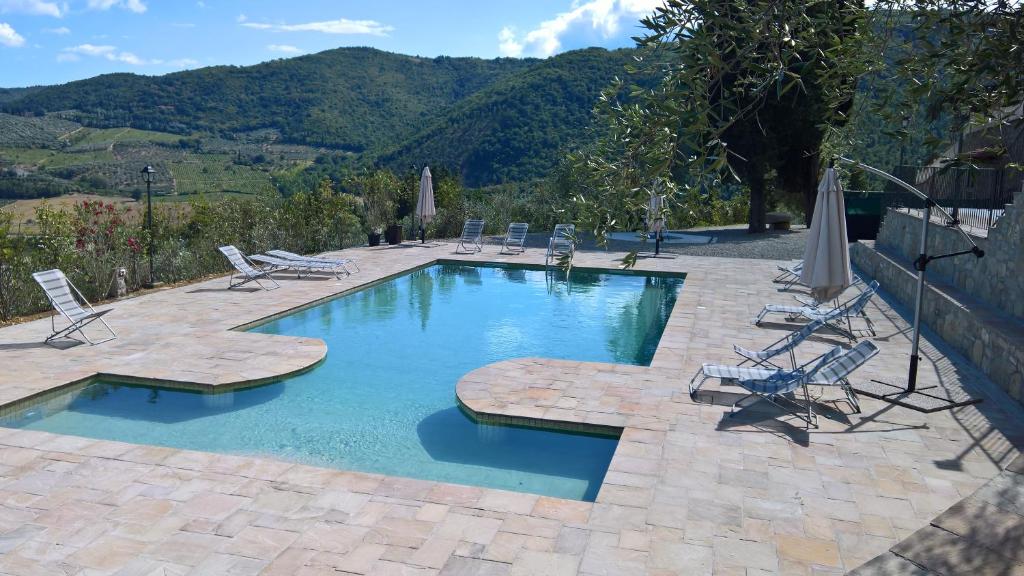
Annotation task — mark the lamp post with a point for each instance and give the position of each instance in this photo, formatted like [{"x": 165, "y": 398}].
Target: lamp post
[{"x": 147, "y": 175}]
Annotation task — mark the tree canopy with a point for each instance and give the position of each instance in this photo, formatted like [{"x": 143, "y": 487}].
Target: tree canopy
[{"x": 758, "y": 91}]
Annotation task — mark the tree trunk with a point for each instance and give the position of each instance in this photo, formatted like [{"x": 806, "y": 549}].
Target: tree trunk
[{"x": 756, "y": 222}]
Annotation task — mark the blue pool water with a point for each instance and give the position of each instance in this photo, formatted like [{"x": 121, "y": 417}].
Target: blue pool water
[{"x": 384, "y": 398}]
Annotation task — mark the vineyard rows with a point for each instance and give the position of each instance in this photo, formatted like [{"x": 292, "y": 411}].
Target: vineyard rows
[{"x": 34, "y": 132}]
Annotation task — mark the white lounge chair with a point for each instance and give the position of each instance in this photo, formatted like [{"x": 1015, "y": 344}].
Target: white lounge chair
[
  {"x": 472, "y": 237},
  {"x": 789, "y": 275},
  {"x": 300, "y": 267},
  {"x": 836, "y": 373},
  {"x": 830, "y": 369},
  {"x": 777, "y": 388},
  {"x": 515, "y": 238},
  {"x": 785, "y": 345},
  {"x": 61, "y": 293},
  {"x": 561, "y": 243},
  {"x": 343, "y": 262},
  {"x": 833, "y": 317},
  {"x": 247, "y": 271}
]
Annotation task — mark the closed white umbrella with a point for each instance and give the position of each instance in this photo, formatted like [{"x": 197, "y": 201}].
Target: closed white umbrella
[
  {"x": 827, "y": 255},
  {"x": 425, "y": 210},
  {"x": 655, "y": 221},
  {"x": 654, "y": 212}
]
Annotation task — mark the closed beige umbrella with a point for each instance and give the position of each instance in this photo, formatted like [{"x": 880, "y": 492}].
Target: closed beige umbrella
[
  {"x": 425, "y": 210},
  {"x": 827, "y": 255},
  {"x": 655, "y": 220}
]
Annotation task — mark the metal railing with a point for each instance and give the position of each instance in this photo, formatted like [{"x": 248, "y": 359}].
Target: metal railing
[{"x": 975, "y": 197}]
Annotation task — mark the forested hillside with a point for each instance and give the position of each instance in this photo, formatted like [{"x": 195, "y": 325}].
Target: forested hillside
[
  {"x": 513, "y": 130},
  {"x": 492, "y": 121},
  {"x": 349, "y": 98}
]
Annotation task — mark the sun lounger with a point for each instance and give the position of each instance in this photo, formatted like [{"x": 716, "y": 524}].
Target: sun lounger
[
  {"x": 834, "y": 318},
  {"x": 79, "y": 313},
  {"x": 300, "y": 267},
  {"x": 789, "y": 275},
  {"x": 343, "y": 262},
  {"x": 836, "y": 373},
  {"x": 246, "y": 270},
  {"x": 771, "y": 384},
  {"x": 561, "y": 243},
  {"x": 830, "y": 369},
  {"x": 785, "y": 345},
  {"x": 515, "y": 238},
  {"x": 472, "y": 237}
]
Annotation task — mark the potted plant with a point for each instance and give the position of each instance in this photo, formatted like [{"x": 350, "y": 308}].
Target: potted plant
[
  {"x": 393, "y": 234},
  {"x": 380, "y": 210}
]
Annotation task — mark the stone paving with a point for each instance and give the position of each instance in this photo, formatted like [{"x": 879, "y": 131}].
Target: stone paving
[{"x": 689, "y": 490}]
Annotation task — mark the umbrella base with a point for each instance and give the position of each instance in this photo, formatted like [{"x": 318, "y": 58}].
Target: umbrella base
[
  {"x": 654, "y": 255},
  {"x": 926, "y": 399}
]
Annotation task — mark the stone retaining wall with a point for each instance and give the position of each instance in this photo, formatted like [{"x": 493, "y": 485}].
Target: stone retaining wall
[
  {"x": 992, "y": 342},
  {"x": 976, "y": 305},
  {"x": 997, "y": 279}
]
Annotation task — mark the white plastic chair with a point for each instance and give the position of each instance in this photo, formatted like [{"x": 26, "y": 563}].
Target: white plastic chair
[
  {"x": 515, "y": 238},
  {"x": 61, "y": 293}
]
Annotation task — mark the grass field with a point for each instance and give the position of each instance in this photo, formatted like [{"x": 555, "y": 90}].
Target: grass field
[
  {"x": 24, "y": 211},
  {"x": 11, "y": 155},
  {"x": 92, "y": 137}
]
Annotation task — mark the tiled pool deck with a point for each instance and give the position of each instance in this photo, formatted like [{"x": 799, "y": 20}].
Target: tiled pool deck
[{"x": 689, "y": 490}]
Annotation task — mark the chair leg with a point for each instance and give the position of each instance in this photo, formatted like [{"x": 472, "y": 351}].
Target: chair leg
[
  {"x": 851, "y": 396},
  {"x": 760, "y": 316},
  {"x": 693, "y": 388},
  {"x": 812, "y": 420}
]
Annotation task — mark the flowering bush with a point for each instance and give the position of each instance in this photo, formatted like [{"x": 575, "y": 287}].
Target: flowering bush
[{"x": 106, "y": 239}]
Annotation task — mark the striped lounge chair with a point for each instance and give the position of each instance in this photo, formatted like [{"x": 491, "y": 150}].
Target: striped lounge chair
[{"x": 67, "y": 301}]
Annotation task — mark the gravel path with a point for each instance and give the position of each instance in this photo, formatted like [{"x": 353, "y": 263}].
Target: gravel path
[{"x": 729, "y": 242}]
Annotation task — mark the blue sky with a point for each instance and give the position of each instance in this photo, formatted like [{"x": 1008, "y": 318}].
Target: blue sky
[{"x": 55, "y": 41}]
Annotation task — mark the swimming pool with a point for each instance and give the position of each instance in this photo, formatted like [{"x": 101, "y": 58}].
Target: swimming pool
[{"x": 383, "y": 400}]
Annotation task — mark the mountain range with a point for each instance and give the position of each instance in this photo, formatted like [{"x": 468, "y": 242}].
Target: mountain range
[{"x": 492, "y": 121}]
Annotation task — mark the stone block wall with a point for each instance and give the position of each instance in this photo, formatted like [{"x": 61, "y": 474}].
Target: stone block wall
[
  {"x": 997, "y": 279},
  {"x": 975, "y": 305},
  {"x": 992, "y": 342}
]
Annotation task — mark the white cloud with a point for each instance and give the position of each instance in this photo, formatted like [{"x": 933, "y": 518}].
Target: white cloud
[
  {"x": 62, "y": 31},
  {"x": 91, "y": 49},
  {"x": 111, "y": 53},
  {"x": 137, "y": 6},
  {"x": 586, "y": 24},
  {"x": 73, "y": 54},
  {"x": 8, "y": 37},
  {"x": 507, "y": 44},
  {"x": 127, "y": 58},
  {"x": 339, "y": 26},
  {"x": 285, "y": 48},
  {"x": 36, "y": 7},
  {"x": 241, "y": 18}
]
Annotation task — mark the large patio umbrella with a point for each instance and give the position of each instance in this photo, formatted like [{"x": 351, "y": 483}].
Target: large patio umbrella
[
  {"x": 827, "y": 255},
  {"x": 654, "y": 217},
  {"x": 425, "y": 210}
]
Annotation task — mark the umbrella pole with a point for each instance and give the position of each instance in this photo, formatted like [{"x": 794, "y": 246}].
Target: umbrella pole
[
  {"x": 921, "y": 264},
  {"x": 911, "y": 397}
]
